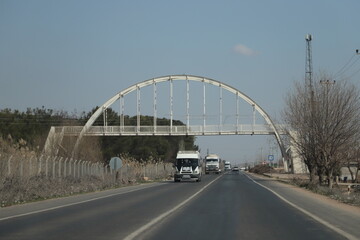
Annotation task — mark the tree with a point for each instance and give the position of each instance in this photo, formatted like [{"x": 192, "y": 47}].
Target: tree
[
  {"x": 32, "y": 126},
  {"x": 325, "y": 119},
  {"x": 336, "y": 124},
  {"x": 297, "y": 116}
]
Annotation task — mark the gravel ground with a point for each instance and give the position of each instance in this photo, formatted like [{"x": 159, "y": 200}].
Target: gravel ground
[{"x": 339, "y": 193}]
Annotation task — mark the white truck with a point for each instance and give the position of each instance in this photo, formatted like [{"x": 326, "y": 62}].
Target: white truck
[
  {"x": 188, "y": 165},
  {"x": 227, "y": 166},
  {"x": 212, "y": 164}
]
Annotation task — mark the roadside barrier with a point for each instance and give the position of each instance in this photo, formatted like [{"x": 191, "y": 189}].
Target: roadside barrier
[{"x": 23, "y": 167}]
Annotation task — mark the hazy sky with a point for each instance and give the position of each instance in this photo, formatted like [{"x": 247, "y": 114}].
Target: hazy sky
[{"x": 75, "y": 55}]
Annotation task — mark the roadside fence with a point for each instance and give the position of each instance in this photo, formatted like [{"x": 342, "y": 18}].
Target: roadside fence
[{"x": 59, "y": 167}]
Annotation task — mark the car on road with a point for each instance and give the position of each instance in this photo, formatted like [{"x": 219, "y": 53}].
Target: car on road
[{"x": 235, "y": 169}]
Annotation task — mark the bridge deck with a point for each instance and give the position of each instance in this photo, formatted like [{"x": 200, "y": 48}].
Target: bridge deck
[{"x": 195, "y": 130}]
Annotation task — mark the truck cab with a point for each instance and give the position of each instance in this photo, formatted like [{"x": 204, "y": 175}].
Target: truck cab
[
  {"x": 227, "y": 166},
  {"x": 188, "y": 166},
  {"x": 212, "y": 164}
]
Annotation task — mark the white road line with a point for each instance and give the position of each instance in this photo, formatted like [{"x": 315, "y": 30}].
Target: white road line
[
  {"x": 320, "y": 220},
  {"x": 70, "y": 204},
  {"x": 164, "y": 215}
]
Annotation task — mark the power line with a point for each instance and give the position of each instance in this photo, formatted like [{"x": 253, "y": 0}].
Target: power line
[
  {"x": 349, "y": 64},
  {"x": 357, "y": 71},
  {"x": 354, "y": 73},
  {"x": 341, "y": 69}
]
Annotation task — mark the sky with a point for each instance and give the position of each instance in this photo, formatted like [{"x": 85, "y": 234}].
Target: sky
[{"x": 75, "y": 55}]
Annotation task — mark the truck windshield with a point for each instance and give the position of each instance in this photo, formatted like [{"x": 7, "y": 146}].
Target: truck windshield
[
  {"x": 211, "y": 160},
  {"x": 187, "y": 162}
]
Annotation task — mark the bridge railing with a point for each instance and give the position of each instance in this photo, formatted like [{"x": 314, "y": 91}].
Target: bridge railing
[{"x": 229, "y": 129}]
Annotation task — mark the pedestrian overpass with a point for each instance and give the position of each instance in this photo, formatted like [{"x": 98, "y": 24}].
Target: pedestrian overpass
[{"x": 205, "y": 107}]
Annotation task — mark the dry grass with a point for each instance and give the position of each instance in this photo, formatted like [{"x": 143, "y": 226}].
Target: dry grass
[
  {"x": 339, "y": 193},
  {"x": 23, "y": 183}
]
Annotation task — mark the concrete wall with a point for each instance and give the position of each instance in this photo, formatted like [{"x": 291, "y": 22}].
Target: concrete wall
[{"x": 346, "y": 173}]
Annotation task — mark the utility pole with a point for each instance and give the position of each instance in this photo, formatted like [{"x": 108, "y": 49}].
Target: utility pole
[{"x": 327, "y": 83}]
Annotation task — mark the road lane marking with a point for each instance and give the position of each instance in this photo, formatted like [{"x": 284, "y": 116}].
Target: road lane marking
[
  {"x": 318, "y": 219},
  {"x": 75, "y": 203},
  {"x": 164, "y": 215}
]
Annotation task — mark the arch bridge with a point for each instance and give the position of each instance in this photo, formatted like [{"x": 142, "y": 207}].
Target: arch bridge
[{"x": 197, "y": 96}]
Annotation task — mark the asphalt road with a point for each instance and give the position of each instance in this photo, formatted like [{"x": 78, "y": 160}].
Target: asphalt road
[{"x": 230, "y": 206}]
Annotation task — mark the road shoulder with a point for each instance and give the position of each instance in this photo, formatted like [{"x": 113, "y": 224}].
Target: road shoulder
[
  {"x": 54, "y": 203},
  {"x": 339, "y": 215}
]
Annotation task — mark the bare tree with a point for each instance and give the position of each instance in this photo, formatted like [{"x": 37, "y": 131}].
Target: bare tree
[
  {"x": 297, "y": 116},
  {"x": 336, "y": 124},
  {"x": 325, "y": 120}
]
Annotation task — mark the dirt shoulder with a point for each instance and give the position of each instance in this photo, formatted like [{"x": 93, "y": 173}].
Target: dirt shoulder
[{"x": 292, "y": 179}]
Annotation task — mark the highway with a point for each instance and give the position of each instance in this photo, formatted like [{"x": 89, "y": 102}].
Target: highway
[{"x": 228, "y": 206}]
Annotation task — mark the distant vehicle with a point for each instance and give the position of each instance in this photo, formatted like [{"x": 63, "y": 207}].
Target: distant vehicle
[
  {"x": 235, "y": 169},
  {"x": 188, "y": 166},
  {"x": 212, "y": 164},
  {"x": 227, "y": 166}
]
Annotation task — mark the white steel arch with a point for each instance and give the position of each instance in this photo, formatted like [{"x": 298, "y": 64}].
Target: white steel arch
[{"x": 187, "y": 78}]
